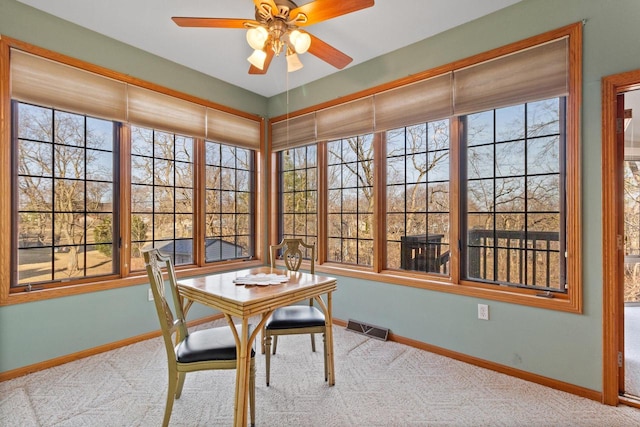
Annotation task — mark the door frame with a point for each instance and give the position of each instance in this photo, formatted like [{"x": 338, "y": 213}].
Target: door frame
[{"x": 612, "y": 243}]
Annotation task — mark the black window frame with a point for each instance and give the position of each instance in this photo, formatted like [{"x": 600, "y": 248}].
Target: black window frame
[
  {"x": 236, "y": 170},
  {"x": 528, "y": 236},
  {"x": 301, "y": 171},
  {"x": 54, "y": 281}
]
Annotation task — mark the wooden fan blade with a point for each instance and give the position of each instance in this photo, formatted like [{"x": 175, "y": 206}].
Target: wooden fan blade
[
  {"x": 255, "y": 70},
  {"x": 328, "y": 53},
  {"x": 321, "y": 10},
  {"x": 212, "y": 22},
  {"x": 271, "y": 3}
]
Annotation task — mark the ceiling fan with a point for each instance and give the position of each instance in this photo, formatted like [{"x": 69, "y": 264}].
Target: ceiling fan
[{"x": 276, "y": 29}]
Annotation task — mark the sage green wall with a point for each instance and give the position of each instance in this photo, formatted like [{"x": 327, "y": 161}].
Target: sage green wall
[
  {"x": 43, "y": 330},
  {"x": 566, "y": 347}
]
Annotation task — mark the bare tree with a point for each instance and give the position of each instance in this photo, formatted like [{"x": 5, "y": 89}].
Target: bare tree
[
  {"x": 417, "y": 186},
  {"x": 299, "y": 193},
  {"x": 53, "y": 163},
  {"x": 351, "y": 197},
  {"x": 162, "y": 193},
  {"x": 514, "y": 190},
  {"x": 228, "y": 196}
]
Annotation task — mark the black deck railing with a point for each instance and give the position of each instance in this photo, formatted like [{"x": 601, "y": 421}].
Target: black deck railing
[
  {"x": 529, "y": 258},
  {"x": 424, "y": 253}
]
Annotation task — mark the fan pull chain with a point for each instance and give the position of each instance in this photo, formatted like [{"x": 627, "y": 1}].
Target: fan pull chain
[{"x": 287, "y": 90}]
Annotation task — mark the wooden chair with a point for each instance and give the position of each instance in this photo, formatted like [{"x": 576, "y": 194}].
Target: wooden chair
[
  {"x": 213, "y": 348},
  {"x": 295, "y": 319}
]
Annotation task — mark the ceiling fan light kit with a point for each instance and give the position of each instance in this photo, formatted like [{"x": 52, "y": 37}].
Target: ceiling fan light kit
[
  {"x": 257, "y": 58},
  {"x": 275, "y": 29},
  {"x": 257, "y": 37},
  {"x": 293, "y": 62},
  {"x": 300, "y": 41}
]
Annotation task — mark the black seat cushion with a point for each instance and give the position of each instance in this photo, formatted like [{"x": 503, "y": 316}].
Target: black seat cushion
[
  {"x": 295, "y": 316},
  {"x": 209, "y": 344}
]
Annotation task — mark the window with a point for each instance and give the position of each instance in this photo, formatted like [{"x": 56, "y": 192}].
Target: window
[
  {"x": 161, "y": 195},
  {"x": 465, "y": 181},
  {"x": 417, "y": 179},
  {"x": 350, "y": 200},
  {"x": 299, "y": 193},
  {"x": 228, "y": 202},
  {"x": 515, "y": 199},
  {"x": 65, "y": 196},
  {"x": 102, "y": 167}
]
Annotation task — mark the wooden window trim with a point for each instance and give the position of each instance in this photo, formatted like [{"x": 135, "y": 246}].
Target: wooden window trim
[
  {"x": 9, "y": 297},
  {"x": 612, "y": 267},
  {"x": 572, "y": 301}
]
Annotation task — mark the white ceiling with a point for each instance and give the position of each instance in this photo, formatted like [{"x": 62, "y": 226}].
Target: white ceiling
[{"x": 222, "y": 53}]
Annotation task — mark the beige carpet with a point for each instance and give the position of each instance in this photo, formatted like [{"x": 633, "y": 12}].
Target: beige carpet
[{"x": 377, "y": 384}]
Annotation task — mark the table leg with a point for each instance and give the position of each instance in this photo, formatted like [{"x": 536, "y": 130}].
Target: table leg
[
  {"x": 243, "y": 366},
  {"x": 328, "y": 335},
  {"x": 244, "y": 344},
  {"x": 329, "y": 338}
]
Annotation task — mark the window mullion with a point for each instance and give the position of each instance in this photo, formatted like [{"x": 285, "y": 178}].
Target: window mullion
[
  {"x": 123, "y": 178},
  {"x": 199, "y": 194},
  {"x": 85, "y": 215},
  {"x": 53, "y": 191},
  {"x": 322, "y": 202},
  {"x": 379, "y": 198},
  {"x": 494, "y": 214},
  {"x": 457, "y": 206}
]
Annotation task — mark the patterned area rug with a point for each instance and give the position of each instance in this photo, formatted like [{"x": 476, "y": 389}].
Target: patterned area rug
[{"x": 377, "y": 384}]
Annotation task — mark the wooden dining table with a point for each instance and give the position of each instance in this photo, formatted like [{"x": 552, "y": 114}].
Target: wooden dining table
[{"x": 243, "y": 301}]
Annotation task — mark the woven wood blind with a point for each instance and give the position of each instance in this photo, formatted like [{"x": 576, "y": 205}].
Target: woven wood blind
[
  {"x": 40, "y": 81},
  {"x": 415, "y": 103},
  {"x": 159, "y": 111},
  {"x": 530, "y": 75},
  {"x": 344, "y": 120},
  {"x": 301, "y": 130},
  {"x": 232, "y": 129}
]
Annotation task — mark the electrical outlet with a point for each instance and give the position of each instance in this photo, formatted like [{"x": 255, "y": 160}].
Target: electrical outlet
[
  {"x": 150, "y": 297},
  {"x": 483, "y": 312}
]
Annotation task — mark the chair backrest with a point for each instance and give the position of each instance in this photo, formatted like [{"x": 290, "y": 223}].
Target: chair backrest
[
  {"x": 171, "y": 319},
  {"x": 292, "y": 254}
]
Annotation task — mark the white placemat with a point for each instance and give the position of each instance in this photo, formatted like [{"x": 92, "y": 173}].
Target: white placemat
[{"x": 261, "y": 279}]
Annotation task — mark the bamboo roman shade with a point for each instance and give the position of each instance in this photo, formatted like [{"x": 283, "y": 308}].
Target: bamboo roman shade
[
  {"x": 344, "y": 120},
  {"x": 300, "y": 130},
  {"x": 232, "y": 129},
  {"x": 422, "y": 101},
  {"x": 41, "y": 81},
  {"x": 532, "y": 74},
  {"x": 529, "y": 75},
  {"x": 159, "y": 111}
]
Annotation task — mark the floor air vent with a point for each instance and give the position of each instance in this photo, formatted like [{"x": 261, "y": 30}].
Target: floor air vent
[{"x": 368, "y": 330}]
